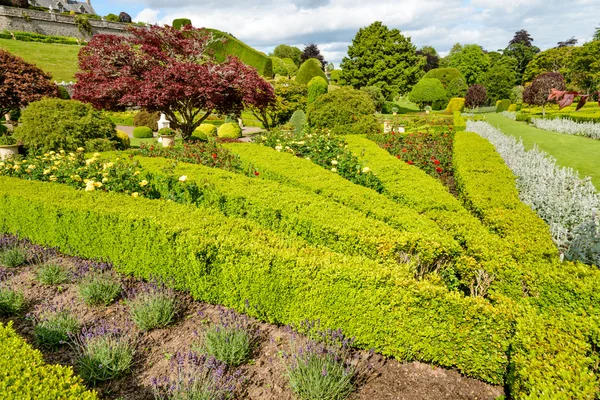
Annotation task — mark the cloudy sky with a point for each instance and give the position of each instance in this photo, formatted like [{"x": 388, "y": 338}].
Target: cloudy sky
[{"x": 332, "y": 24}]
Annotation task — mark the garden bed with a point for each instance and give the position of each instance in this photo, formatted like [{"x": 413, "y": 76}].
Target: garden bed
[{"x": 264, "y": 373}]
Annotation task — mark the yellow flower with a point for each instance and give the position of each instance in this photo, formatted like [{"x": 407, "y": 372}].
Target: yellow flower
[
  {"x": 333, "y": 169},
  {"x": 104, "y": 180},
  {"x": 135, "y": 194},
  {"x": 52, "y": 153},
  {"x": 17, "y": 167},
  {"x": 76, "y": 178},
  {"x": 53, "y": 178},
  {"x": 98, "y": 184},
  {"x": 143, "y": 183},
  {"x": 2, "y": 164},
  {"x": 31, "y": 166},
  {"x": 136, "y": 173},
  {"x": 46, "y": 171},
  {"x": 71, "y": 155},
  {"x": 80, "y": 149},
  {"x": 89, "y": 161},
  {"x": 365, "y": 170},
  {"x": 46, "y": 155},
  {"x": 182, "y": 178},
  {"x": 62, "y": 152},
  {"x": 87, "y": 180},
  {"x": 97, "y": 155},
  {"x": 89, "y": 188}
]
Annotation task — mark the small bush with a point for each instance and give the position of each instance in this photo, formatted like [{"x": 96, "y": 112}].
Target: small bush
[
  {"x": 316, "y": 87},
  {"x": 12, "y": 302},
  {"x": 445, "y": 75},
  {"x": 104, "y": 354},
  {"x": 229, "y": 130},
  {"x": 512, "y": 108},
  {"x": 52, "y": 274},
  {"x": 63, "y": 93},
  {"x": 100, "y": 145},
  {"x": 308, "y": 70},
  {"x": 231, "y": 340},
  {"x": 427, "y": 91},
  {"x": 13, "y": 256},
  {"x": 298, "y": 121},
  {"x": 181, "y": 22},
  {"x": 502, "y": 105},
  {"x": 166, "y": 132},
  {"x": 99, "y": 288},
  {"x": 55, "y": 329},
  {"x": 457, "y": 88},
  {"x": 154, "y": 307},
  {"x": 147, "y": 118},
  {"x": 124, "y": 142},
  {"x": 55, "y": 124},
  {"x": 476, "y": 96},
  {"x": 142, "y": 132},
  {"x": 112, "y": 18},
  {"x": 376, "y": 95},
  {"x": 455, "y": 104},
  {"x": 204, "y": 131}
]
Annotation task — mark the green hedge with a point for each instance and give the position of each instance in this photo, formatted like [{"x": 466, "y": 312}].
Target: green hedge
[
  {"x": 308, "y": 70},
  {"x": 502, "y": 105},
  {"x": 36, "y": 37},
  {"x": 231, "y": 46},
  {"x": 23, "y": 374},
  {"x": 298, "y": 212},
  {"x": 459, "y": 122},
  {"x": 234, "y": 262}
]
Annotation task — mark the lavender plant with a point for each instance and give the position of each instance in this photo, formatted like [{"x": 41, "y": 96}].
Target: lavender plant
[
  {"x": 52, "y": 274},
  {"x": 558, "y": 195},
  {"x": 12, "y": 302},
  {"x": 14, "y": 256},
  {"x": 104, "y": 353},
  {"x": 197, "y": 377},
  {"x": 54, "y": 327},
  {"x": 154, "y": 306},
  {"x": 569, "y": 127},
  {"x": 231, "y": 340},
  {"x": 99, "y": 288}
]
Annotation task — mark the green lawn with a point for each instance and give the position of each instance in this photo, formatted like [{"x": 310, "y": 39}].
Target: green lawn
[
  {"x": 59, "y": 60},
  {"x": 577, "y": 152}
]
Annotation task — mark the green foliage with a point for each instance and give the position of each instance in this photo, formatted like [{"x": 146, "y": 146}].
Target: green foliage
[
  {"x": 335, "y": 77},
  {"x": 63, "y": 93},
  {"x": 523, "y": 54},
  {"x": 82, "y": 22},
  {"x": 376, "y": 95},
  {"x": 123, "y": 139},
  {"x": 310, "y": 69},
  {"x": 459, "y": 122},
  {"x": 52, "y": 274},
  {"x": 112, "y": 18},
  {"x": 55, "y": 329},
  {"x": 471, "y": 61},
  {"x": 457, "y": 88},
  {"x": 13, "y": 256},
  {"x": 230, "y": 261},
  {"x": 344, "y": 111},
  {"x": 142, "y": 132},
  {"x": 382, "y": 57},
  {"x": 279, "y": 67},
  {"x": 502, "y": 105},
  {"x": 291, "y": 67},
  {"x": 23, "y": 373},
  {"x": 298, "y": 121},
  {"x": 181, "y": 22},
  {"x": 227, "y": 46},
  {"x": 37, "y": 37},
  {"x": 204, "y": 131},
  {"x": 147, "y": 118},
  {"x": 12, "y": 302},
  {"x": 445, "y": 75},
  {"x": 99, "y": 288},
  {"x": 316, "y": 87},
  {"x": 512, "y": 108},
  {"x": 585, "y": 67},
  {"x": 284, "y": 51},
  {"x": 558, "y": 59},
  {"x": 427, "y": 92},
  {"x": 153, "y": 308},
  {"x": 55, "y": 124},
  {"x": 499, "y": 81},
  {"x": 290, "y": 96},
  {"x": 166, "y": 132},
  {"x": 104, "y": 357},
  {"x": 229, "y": 130},
  {"x": 455, "y": 104}
]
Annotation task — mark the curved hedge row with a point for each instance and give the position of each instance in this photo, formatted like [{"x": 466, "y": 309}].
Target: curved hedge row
[
  {"x": 23, "y": 374},
  {"x": 230, "y": 46},
  {"x": 234, "y": 262}
]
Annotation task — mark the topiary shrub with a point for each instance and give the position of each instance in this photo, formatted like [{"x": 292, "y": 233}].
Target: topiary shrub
[
  {"x": 204, "y": 131},
  {"x": 427, "y": 91},
  {"x": 124, "y": 17},
  {"x": 55, "y": 124},
  {"x": 512, "y": 108},
  {"x": 123, "y": 140},
  {"x": 63, "y": 93},
  {"x": 457, "y": 88},
  {"x": 279, "y": 67},
  {"x": 147, "y": 118},
  {"x": 290, "y": 67},
  {"x": 298, "y": 121},
  {"x": 344, "y": 111},
  {"x": 142, "y": 132},
  {"x": 476, "y": 96},
  {"x": 229, "y": 130},
  {"x": 502, "y": 105},
  {"x": 445, "y": 76},
  {"x": 335, "y": 77},
  {"x": 308, "y": 70},
  {"x": 316, "y": 87},
  {"x": 181, "y": 22},
  {"x": 456, "y": 104}
]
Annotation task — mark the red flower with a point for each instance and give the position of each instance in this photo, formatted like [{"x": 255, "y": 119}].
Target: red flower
[
  {"x": 439, "y": 170},
  {"x": 404, "y": 150},
  {"x": 436, "y": 162},
  {"x": 398, "y": 156},
  {"x": 409, "y": 162},
  {"x": 256, "y": 173},
  {"x": 214, "y": 156}
]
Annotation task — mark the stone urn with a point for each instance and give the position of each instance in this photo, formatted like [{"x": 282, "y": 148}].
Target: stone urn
[
  {"x": 8, "y": 150},
  {"x": 167, "y": 140}
]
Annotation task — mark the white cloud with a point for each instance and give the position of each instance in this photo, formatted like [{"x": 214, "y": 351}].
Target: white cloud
[{"x": 332, "y": 24}]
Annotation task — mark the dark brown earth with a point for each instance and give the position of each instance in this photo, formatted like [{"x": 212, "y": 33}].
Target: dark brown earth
[{"x": 388, "y": 379}]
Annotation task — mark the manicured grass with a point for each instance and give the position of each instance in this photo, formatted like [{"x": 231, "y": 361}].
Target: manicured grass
[
  {"x": 577, "y": 152},
  {"x": 59, "y": 60}
]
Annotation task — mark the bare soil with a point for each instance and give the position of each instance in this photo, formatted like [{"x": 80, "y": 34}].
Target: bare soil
[{"x": 388, "y": 378}]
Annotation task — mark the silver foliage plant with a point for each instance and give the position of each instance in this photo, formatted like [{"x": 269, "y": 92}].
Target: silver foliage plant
[
  {"x": 510, "y": 115},
  {"x": 567, "y": 203},
  {"x": 569, "y": 127}
]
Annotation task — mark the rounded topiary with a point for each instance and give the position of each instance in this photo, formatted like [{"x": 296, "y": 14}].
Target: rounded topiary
[
  {"x": 502, "y": 105},
  {"x": 455, "y": 104},
  {"x": 166, "y": 132},
  {"x": 427, "y": 91},
  {"x": 124, "y": 17},
  {"x": 204, "y": 131},
  {"x": 279, "y": 67},
  {"x": 147, "y": 118},
  {"x": 445, "y": 75},
  {"x": 298, "y": 120},
  {"x": 512, "y": 108},
  {"x": 55, "y": 124},
  {"x": 316, "y": 87},
  {"x": 63, "y": 93},
  {"x": 457, "y": 88},
  {"x": 290, "y": 67},
  {"x": 181, "y": 22},
  {"x": 476, "y": 96},
  {"x": 142, "y": 132},
  {"x": 308, "y": 70},
  {"x": 123, "y": 140},
  {"x": 229, "y": 130}
]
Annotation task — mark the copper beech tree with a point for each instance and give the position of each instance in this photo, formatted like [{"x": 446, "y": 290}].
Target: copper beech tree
[
  {"x": 167, "y": 70},
  {"x": 22, "y": 83}
]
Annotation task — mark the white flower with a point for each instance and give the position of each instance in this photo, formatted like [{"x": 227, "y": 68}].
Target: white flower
[
  {"x": 365, "y": 170},
  {"x": 334, "y": 162},
  {"x": 333, "y": 169},
  {"x": 278, "y": 147},
  {"x": 182, "y": 178}
]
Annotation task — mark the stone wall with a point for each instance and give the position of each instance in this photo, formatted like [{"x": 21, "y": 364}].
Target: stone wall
[{"x": 18, "y": 19}]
